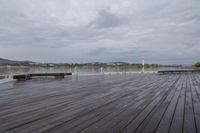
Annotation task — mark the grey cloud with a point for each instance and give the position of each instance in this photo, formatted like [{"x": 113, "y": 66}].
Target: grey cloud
[
  {"x": 112, "y": 53},
  {"x": 106, "y": 19},
  {"x": 157, "y": 30}
]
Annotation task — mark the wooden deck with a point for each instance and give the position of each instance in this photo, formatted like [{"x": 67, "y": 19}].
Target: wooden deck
[{"x": 104, "y": 104}]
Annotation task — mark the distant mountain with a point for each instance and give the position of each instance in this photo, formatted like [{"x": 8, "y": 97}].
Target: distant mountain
[
  {"x": 103, "y": 63},
  {"x": 119, "y": 63},
  {"x": 12, "y": 62}
]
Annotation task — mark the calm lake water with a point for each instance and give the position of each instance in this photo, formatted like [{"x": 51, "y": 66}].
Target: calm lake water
[{"x": 80, "y": 70}]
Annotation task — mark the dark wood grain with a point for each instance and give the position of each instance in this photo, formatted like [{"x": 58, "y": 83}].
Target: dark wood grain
[{"x": 102, "y": 104}]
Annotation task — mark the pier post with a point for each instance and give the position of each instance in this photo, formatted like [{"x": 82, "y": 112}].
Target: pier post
[
  {"x": 102, "y": 72},
  {"x": 75, "y": 70},
  {"x": 142, "y": 66}
]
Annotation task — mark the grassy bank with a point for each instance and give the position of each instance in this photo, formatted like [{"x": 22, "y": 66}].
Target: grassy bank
[
  {"x": 13, "y": 67},
  {"x": 3, "y": 76},
  {"x": 197, "y": 65}
]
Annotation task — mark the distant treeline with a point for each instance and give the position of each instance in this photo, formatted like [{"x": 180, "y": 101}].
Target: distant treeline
[
  {"x": 95, "y": 64},
  {"x": 196, "y": 64}
]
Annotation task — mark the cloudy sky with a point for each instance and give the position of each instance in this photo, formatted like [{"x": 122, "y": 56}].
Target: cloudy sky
[{"x": 159, "y": 31}]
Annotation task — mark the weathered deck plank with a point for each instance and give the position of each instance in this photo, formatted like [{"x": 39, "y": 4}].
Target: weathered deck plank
[
  {"x": 189, "y": 120},
  {"x": 137, "y": 103},
  {"x": 177, "y": 121},
  {"x": 196, "y": 104},
  {"x": 101, "y": 125},
  {"x": 164, "y": 124}
]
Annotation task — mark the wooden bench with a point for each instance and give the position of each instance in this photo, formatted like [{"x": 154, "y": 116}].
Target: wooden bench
[
  {"x": 61, "y": 75},
  {"x": 22, "y": 77},
  {"x": 29, "y": 76}
]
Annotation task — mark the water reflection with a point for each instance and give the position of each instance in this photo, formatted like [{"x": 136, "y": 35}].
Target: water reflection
[{"x": 79, "y": 70}]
